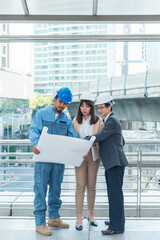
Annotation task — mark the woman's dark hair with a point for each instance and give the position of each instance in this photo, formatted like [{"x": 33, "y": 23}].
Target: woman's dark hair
[{"x": 94, "y": 116}]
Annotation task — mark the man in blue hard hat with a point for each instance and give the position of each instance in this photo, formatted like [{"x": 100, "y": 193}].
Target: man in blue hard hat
[{"x": 45, "y": 173}]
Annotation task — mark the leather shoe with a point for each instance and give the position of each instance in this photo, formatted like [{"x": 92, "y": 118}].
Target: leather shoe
[
  {"x": 95, "y": 224},
  {"x": 79, "y": 228},
  {"x": 110, "y": 232},
  {"x": 107, "y": 222}
]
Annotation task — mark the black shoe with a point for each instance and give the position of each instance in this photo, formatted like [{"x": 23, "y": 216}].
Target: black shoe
[
  {"x": 110, "y": 232},
  {"x": 107, "y": 222},
  {"x": 95, "y": 224},
  {"x": 79, "y": 228}
]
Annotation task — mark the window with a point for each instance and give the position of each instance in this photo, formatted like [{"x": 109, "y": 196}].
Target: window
[
  {"x": 3, "y": 62},
  {"x": 3, "y": 49},
  {"x": 4, "y": 27}
]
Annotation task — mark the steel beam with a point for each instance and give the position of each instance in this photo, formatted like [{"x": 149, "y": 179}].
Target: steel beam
[
  {"x": 25, "y": 7},
  {"x": 82, "y": 38},
  {"x": 81, "y": 18},
  {"x": 95, "y": 7}
]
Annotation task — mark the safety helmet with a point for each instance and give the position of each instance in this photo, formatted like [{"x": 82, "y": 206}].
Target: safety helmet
[
  {"x": 65, "y": 95},
  {"x": 104, "y": 98},
  {"x": 87, "y": 96}
]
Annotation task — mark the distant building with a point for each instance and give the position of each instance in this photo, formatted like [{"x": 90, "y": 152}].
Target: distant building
[
  {"x": 57, "y": 62},
  {"x": 4, "y": 49}
]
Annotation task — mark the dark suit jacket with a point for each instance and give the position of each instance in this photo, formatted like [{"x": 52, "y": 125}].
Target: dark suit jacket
[{"x": 111, "y": 143}]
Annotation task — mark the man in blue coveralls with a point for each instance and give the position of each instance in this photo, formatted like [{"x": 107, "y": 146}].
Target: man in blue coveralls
[{"x": 45, "y": 173}]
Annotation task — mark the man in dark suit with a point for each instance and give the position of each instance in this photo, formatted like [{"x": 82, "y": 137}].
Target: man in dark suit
[{"x": 111, "y": 144}]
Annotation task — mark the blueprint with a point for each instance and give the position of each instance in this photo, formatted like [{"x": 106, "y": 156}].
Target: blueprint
[{"x": 62, "y": 149}]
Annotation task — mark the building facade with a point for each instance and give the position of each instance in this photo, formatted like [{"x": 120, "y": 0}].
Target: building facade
[{"x": 68, "y": 63}]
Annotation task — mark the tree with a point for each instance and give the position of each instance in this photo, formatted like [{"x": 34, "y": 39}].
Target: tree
[{"x": 39, "y": 101}]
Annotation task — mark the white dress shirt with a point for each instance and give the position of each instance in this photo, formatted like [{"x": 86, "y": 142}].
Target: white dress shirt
[
  {"x": 86, "y": 129},
  {"x": 107, "y": 117}
]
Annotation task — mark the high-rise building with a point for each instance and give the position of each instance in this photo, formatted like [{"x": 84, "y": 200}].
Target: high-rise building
[
  {"x": 59, "y": 63},
  {"x": 4, "y": 50},
  {"x": 73, "y": 62}
]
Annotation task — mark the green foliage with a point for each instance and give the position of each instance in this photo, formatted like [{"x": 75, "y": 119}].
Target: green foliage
[{"x": 39, "y": 101}]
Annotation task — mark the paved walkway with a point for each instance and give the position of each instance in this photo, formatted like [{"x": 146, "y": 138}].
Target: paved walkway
[{"x": 23, "y": 229}]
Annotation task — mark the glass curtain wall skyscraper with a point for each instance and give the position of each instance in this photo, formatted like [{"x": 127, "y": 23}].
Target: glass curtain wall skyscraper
[
  {"x": 59, "y": 64},
  {"x": 4, "y": 49},
  {"x": 68, "y": 63}
]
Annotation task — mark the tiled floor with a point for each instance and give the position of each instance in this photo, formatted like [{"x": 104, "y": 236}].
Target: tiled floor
[{"x": 24, "y": 229}]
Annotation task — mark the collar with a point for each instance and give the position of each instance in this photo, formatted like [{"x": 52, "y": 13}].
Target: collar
[
  {"x": 107, "y": 116},
  {"x": 59, "y": 114}
]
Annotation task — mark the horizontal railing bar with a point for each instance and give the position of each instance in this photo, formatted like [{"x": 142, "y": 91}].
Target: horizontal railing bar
[
  {"x": 98, "y": 181},
  {"x": 127, "y": 141},
  {"x": 71, "y": 182},
  {"x": 16, "y": 161},
  {"x": 98, "y": 196},
  {"x": 14, "y": 154},
  {"x": 145, "y": 164},
  {"x": 15, "y": 142},
  {"x": 17, "y": 154},
  {"x": 31, "y": 194},
  {"x": 73, "y": 189}
]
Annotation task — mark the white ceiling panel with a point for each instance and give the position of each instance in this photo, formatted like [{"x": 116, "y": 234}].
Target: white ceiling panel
[
  {"x": 128, "y": 7},
  {"x": 60, "y": 7},
  {"x": 11, "y": 7}
]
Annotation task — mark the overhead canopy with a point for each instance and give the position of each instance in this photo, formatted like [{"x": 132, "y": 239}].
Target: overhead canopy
[{"x": 80, "y": 10}]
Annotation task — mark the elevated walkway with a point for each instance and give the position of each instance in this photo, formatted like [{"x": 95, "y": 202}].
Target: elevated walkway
[{"x": 133, "y": 94}]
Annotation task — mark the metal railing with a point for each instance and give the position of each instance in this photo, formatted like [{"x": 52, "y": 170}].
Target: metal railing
[
  {"x": 144, "y": 83},
  {"x": 141, "y": 182}
]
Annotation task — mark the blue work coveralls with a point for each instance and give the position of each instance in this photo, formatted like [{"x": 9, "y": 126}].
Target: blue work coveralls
[{"x": 48, "y": 173}]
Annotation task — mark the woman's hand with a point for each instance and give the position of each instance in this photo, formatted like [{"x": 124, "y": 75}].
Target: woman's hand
[{"x": 86, "y": 155}]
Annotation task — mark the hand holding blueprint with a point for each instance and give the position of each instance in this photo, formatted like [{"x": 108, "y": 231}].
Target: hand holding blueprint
[{"x": 62, "y": 149}]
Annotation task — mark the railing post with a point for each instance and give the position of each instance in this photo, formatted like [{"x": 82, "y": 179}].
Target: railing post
[
  {"x": 79, "y": 90},
  {"x": 98, "y": 88},
  {"x": 145, "y": 84},
  {"x": 124, "y": 87},
  {"x": 111, "y": 86},
  {"x": 139, "y": 179},
  {"x": 88, "y": 86}
]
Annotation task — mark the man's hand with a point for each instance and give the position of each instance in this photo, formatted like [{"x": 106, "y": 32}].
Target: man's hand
[{"x": 35, "y": 150}]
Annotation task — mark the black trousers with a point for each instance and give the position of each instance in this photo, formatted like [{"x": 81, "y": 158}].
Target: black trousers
[{"x": 114, "y": 180}]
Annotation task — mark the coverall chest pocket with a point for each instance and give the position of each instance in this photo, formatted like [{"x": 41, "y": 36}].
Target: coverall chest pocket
[
  {"x": 62, "y": 129},
  {"x": 49, "y": 125}
]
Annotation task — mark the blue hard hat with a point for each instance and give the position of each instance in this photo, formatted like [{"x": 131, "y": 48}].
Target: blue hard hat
[{"x": 65, "y": 95}]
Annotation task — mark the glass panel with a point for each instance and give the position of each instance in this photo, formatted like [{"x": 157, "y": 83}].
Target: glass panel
[
  {"x": 21, "y": 28},
  {"x": 11, "y": 7},
  {"x": 125, "y": 58},
  {"x": 78, "y": 29},
  {"x": 60, "y": 7},
  {"x": 128, "y": 7}
]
